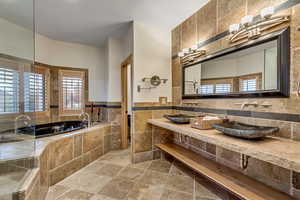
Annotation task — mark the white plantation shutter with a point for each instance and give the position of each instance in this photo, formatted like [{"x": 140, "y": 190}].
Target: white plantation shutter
[
  {"x": 223, "y": 88},
  {"x": 249, "y": 85},
  {"x": 72, "y": 93},
  {"x": 206, "y": 89},
  {"x": 34, "y": 92},
  {"x": 9, "y": 91}
]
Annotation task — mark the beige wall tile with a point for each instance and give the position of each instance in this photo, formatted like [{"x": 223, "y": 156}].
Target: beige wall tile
[
  {"x": 142, "y": 142},
  {"x": 294, "y": 25},
  {"x": 227, "y": 7},
  {"x": 92, "y": 139},
  {"x": 140, "y": 121},
  {"x": 176, "y": 73},
  {"x": 176, "y": 40},
  {"x": 229, "y": 158},
  {"x": 77, "y": 145},
  {"x": 142, "y": 156},
  {"x": 254, "y": 6},
  {"x": 269, "y": 174},
  {"x": 61, "y": 151},
  {"x": 65, "y": 170},
  {"x": 189, "y": 32},
  {"x": 176, "y": 95},
  {"x": 207, "y": 21},
  {"x": 233, "y": 17}
]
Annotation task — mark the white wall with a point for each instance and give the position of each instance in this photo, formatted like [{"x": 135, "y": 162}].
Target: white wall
[
  {"x": 16, "y": 40},
  {"x": 115, "y": 58},
  {"x": 152, "y": 56},
  {"x": 59, "y": 53},
  {"x": 118, "y": 48},
  {"x": 243, "y": 65}
]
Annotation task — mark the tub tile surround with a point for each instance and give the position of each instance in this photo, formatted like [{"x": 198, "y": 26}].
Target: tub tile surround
[{"x": 57, "y": 157}]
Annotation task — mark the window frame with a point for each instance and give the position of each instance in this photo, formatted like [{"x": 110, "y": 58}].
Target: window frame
[{"x": 75, "y": 74}]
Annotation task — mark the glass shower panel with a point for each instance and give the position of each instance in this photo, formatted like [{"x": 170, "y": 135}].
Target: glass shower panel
[{"x": 17, "y": 147}]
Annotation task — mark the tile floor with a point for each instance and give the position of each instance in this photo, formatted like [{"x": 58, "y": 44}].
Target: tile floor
[{"x": 113, "y": 177}]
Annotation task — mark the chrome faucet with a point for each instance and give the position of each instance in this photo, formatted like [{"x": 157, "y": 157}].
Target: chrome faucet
[
  {"x": 86, "y": 118},
  {"x": 26, "y": 119},
  {"x": 247, "y": 103}
]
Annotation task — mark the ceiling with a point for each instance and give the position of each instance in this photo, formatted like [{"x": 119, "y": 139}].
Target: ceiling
[{"x": 92, "y": 21}]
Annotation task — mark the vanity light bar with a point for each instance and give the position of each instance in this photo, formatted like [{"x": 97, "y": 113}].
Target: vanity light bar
[{"x": 248, "y": 29}]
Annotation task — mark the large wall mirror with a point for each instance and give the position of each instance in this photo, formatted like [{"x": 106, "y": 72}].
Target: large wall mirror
[{"x": 257, "y": 68}]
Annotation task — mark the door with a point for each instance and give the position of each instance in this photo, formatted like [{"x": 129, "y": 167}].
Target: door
[{"x": 124, "y": 104}]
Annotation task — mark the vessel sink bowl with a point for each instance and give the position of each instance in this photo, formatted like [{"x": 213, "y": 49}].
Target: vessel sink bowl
[
  {"x": 179, "y": 119},
  {"x": 246, "y": 131}
]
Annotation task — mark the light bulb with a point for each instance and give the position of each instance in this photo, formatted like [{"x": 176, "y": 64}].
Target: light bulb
[
  {"x": 186, "y": 50},
  {"x": 234, "y": 28},
  {"x": 180, "y": 54},
  {"x": 267, "y": 12},
  {"x": 194, "y": 47},
  {"x": 247, "y": 20}
]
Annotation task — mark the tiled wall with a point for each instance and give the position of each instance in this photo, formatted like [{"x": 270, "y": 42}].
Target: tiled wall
[
  {"x": 142, "y": 132},
  {"x": 212, "y": 20}
]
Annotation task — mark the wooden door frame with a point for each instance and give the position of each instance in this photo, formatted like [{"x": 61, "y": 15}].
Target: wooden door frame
[{"x": 124, "y": 104}]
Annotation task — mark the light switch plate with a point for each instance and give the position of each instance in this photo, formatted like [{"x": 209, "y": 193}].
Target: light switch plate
[{"x": 163, "y": 100}]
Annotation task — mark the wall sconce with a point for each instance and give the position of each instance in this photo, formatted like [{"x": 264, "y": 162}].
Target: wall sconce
[
  {"x": 188, "y": 55},
  {"x": 252, "y": 30}
]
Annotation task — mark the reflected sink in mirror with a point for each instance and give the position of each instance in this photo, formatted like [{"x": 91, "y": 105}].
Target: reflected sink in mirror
[{"x": 246, "y": 131}]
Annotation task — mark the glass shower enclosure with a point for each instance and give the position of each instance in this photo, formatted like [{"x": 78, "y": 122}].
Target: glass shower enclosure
[{"x": 17, "y": 94}]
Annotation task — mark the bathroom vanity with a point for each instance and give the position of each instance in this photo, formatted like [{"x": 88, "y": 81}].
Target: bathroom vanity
[{"x": 270, "y": 149}]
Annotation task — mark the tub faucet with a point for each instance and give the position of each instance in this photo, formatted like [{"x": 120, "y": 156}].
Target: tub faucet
[
  {"x": 26, "y": 119},
  {"x": 86, "y": 117}
]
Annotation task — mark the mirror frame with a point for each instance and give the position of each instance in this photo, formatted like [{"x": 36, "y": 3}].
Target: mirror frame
[{"x": 283, "y": 65}]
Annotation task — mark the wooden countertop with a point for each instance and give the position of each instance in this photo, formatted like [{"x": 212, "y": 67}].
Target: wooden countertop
[{"x": 278, "y": 151}]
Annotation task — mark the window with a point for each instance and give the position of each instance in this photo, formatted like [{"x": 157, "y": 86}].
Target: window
[
  {"x": 250, "y": 82},
  {"x": 248, "y": 85},
  {"x": 71, "y": 92},
  {"x": 9, "y": 91},
  {"x": 34, "y": 92},
  {"x": 206, "y": 89},
  {"x": 223, "y": 88}
]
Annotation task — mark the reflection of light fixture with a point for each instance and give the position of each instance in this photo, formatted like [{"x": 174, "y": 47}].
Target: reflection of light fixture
[
  {"x": 252, "y": 30},
  {"x": 189, "y": 55}
]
